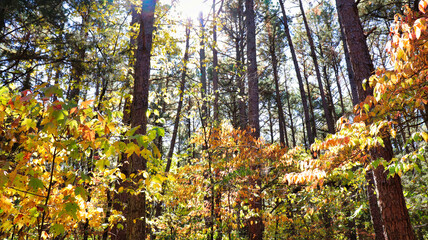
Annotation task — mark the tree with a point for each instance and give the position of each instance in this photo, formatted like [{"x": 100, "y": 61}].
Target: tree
[
  {"x": 255, "y": 226},
  {"x": 395, "y": 217},
  {"x": 298, "y": 74},
  {"x": 327, "y": 112},
  {"x": 136, "y": 215},
  {"x": 180, "y": 101}
]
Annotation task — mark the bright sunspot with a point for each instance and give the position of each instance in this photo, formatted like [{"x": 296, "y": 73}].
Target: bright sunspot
[{"x": 192, "y": 8}]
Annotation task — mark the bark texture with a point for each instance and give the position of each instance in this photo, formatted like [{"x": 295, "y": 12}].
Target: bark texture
[
  {"x": 136, "y": 215},
  {"x": 255, "y": 224},
  {"x": 253, "y": 81},
  {"x": 395, "y": 217}
]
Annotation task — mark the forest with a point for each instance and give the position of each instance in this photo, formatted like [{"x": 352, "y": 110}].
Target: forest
[{"x": 213, "y": 119}]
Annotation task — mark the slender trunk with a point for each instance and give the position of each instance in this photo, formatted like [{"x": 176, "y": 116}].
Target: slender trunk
[
  {"x": 329, "y": 95},
  {"x": 396, "y": 221},
  {"x": 290, "y": 116},
  {"x": 311, "y": 107},
  {"x": 339, "y": 87},
  {"x": 240, "y": 59},
  {"x": 403, "y": 134},
  {"x": 305, "y": 142},
  {"x": 328, "y": 115},
  {"x": 215, "y": 64},
  {"x": 299, "y": 77},
  {"x": 274, "y": 61},
  {"x": 180, "y": 101},
  {"x": 202, "y": 65},
  {"x": 270, "y": 121},
  {"x": 374, "y": 207}
]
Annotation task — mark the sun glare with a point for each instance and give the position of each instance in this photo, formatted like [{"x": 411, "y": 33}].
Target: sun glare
[{"x": 190, "y": 9}]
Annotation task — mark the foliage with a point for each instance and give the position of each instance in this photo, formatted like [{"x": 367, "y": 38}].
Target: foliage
[{"x": 57, "y": 163}]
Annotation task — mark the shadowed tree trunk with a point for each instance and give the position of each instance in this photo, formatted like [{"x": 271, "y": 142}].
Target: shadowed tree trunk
[
  {"x": 255, "y": 223},
  {"x": 327, "y": 112},
  {"x": 78, "y": 68},
  {"x": 253, "y": 89},
  {"x": 180, "y": 101},
  {"x": 274, "y": 61},
  {"x": 310, "y": 137},
  {"x": 203, "y": 68},
  {"x": 336, "y": 67},
  {"x": 395, "y": 217},
  {"x": 136, "y": 215},
  {"x": 215, "y": 63},
  {"x": 311, "y": 107},
  {"x": 120, "y": 199},
  {"x": 290, "y": 115},
  {"x": 240, "y": 59},
  {"x": 351, "y": 75}
]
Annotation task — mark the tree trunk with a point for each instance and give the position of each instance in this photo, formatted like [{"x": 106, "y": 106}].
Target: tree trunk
[
  {"x": 78, "y": 68},
  {"x": 240, "y": 59},
  {"x": 136, "y": 216},
  {"x": 274, "y": 61},
  {"x": 215, "y": 64},
  {"x": 299, "y": 77},
  {"x": 120, "y": 199},
  {"x": 351, "y": 75},
  {"x": 395, "y": 217},
  {"x": 253, "y": 89},
  {"x": 374, "y": 207},
  {"x": 180, "y": 101},
  {"x": 203, "y": 68},
  {"x": 311, "y": 107},
  {"x": 328, "y": 116},
  {"x": 336, "y": 67},
  {"x": 255, "y": 226},
  {"x": 290, "y": 116},
  {"x": 270, "y": 120}
]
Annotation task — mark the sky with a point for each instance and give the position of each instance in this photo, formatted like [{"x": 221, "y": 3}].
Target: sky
[{"x": 192, "y": 8}]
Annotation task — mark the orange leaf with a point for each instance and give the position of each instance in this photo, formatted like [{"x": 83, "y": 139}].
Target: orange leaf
[
  {"x": 85, "y": 104},
  {"x": 423, "y": 5}
]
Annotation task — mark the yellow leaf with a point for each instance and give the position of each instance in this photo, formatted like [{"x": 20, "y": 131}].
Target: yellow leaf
[
  {"x": 393, "y": 133},
  {"x": 122, "y": 176},
  {"x": 425, "y": 136}
]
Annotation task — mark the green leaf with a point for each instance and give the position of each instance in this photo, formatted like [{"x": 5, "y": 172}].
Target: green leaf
[
  {"x": 71, "y": 208},
  {"x": 49, "y": 91},
  {"x": 102, "y": 163},
  {"x": 160, "y": 131},
  {"x": 57, "y": 229},
  {"x": 131, "y": 131},
  {"x": 152, "y": 134},
  {"x": 36, "y": 183},
  {"x": 81, "y": 191},
  {"x": 143, "y": 140}
]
